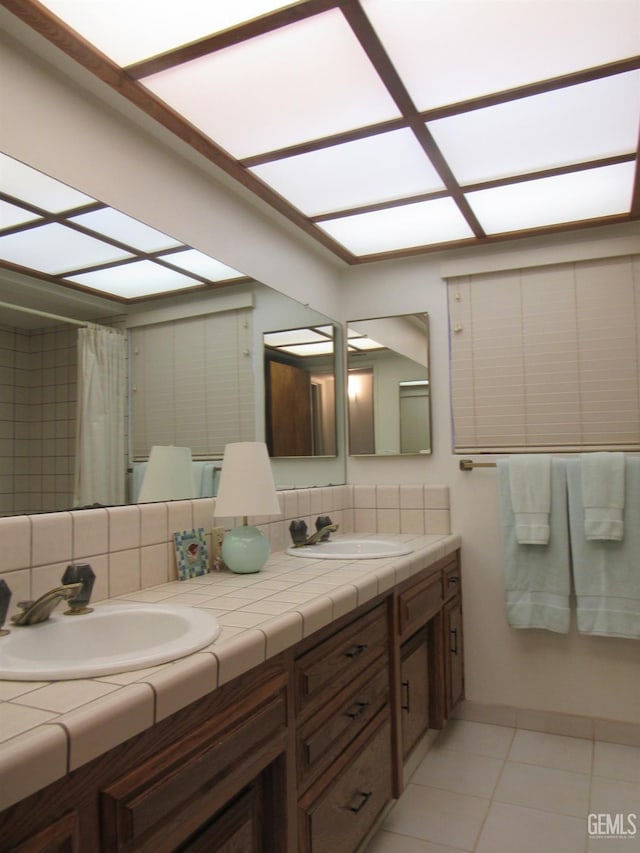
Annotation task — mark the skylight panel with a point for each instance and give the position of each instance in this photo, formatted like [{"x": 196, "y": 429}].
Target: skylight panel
[
  {"x": 304, "y": 81},
  {"x": 33, "y": 187},
  {"x": 197, "y": 262},
  {"x": 419, "y": 224},
  {"x": 131, "y": 31},
  {"x": 572, "y": 125},
  {"x": 452, "y": 50},
  {"x": 377, "y": 168},
  {"x": 576, "y": 196},
  {"x": 53, "y": 248},
  {"x": 135, "y": 280},
  {"x": 11, "y": 214},
  {"x": 125, "y": 229}
]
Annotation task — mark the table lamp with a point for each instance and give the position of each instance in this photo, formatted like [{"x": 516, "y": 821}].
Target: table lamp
[{"x": 246, "y": 488}]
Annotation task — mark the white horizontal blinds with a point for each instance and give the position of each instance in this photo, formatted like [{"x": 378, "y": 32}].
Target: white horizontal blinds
[
  {"x": 192, "y": 383},
  {"x": 546, "y": 357}
]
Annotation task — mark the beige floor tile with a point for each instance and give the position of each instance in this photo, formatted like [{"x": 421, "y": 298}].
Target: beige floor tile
[
  {"x": 476, "y": 775},
  {"x": 476, "y": 738},
  {"x": 544, "y": 788},
  {"x": 563, "y": 753},
  {"x": 441, "y": 817},
  {"x": 391, "y": 842},
  {"x": 617, "y": 762},
  {"x": 515, "y": 829},
  {"x": 615, "y": 796}
]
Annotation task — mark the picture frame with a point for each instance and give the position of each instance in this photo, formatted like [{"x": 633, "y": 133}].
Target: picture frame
[{"x": 192, "y": 554}]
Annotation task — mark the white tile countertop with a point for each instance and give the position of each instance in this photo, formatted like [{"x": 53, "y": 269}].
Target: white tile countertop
[{"x": 48, "y": 729}]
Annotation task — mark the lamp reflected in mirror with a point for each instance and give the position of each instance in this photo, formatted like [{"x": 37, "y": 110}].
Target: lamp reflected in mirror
[{"x": 388, "y": 386}]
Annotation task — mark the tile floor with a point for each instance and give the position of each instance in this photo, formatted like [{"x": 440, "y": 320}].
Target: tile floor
[{"x": 495, "y": 789}]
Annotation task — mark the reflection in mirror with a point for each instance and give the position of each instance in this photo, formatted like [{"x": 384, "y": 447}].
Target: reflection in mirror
[
  {"x": 300, "y": 391},
  {"x": 388, "y": 391},
  {"x": 60, "y": 283}
]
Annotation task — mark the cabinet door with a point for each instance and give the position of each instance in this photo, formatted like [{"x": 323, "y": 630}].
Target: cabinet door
[
  {"x": 414, "y": 690},
  {"x": 237, "y": 829},
  {"x": 58, "y": 837},
  {"x": 454, "y": 661}
]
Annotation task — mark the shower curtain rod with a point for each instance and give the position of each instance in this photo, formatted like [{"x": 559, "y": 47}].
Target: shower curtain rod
[{"x": 49, "y": 316}]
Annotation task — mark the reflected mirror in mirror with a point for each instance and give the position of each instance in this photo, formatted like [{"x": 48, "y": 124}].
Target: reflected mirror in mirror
[
  {"x": 300, "y": 391},
  {"x": 388, "y": 390}
]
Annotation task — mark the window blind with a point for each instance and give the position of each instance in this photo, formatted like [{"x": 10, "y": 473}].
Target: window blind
[
  {"x": 546, "y": 358},
  {"x": 192, "y": 383}
]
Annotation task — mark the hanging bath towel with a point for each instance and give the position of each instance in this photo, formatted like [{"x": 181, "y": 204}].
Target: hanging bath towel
[
  {"x": 537, "y": 577},
  {"x": 603, "y": 494},
  {"x": 606, "y": 573}
]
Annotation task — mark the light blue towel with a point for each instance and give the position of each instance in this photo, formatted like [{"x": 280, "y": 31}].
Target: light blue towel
[
  {"x": 606, "y": 573},
  {"x": 530, "y": 488},
  {"x": 537, "y": 577},
  {"x": 210, "y": 478},
  {"x": 603, "y": 494}
]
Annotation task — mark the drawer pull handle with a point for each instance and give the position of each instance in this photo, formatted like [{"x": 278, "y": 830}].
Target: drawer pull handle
[
  {"x": 453, "y": 579},
  {"x": 406, "y": 700},
  {"x": 365, "y": 795},
  {"x": 356, "y": 710},
  {"x": 454, "y": 638},
  {"x": 355, "y": 650}
]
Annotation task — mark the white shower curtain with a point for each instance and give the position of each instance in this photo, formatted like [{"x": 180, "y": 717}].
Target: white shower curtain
[{"x": 100, "y": 427}]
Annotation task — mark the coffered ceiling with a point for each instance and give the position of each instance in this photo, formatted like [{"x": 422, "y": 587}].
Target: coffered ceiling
[{"x": 386, "y": 127}]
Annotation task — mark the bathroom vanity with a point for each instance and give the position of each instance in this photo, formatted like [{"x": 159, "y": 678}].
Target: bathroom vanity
[{"x": 301, "y": 753}]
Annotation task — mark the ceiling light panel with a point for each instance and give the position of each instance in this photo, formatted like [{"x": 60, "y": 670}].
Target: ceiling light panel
[
  {"x": 292, "y": 336},
  {"x": 503, "y": 44},
  {"x": 420, "y": 224},
  {"x": 197, "y": 262},
  {"x": 377, "y": 168},
  {"x": 571, "y": 125},
  {"x": 129, "y": 32},
  {"x": 576, "y": 196},
  {"x": 125, "y": 229},
  {"x": 11, "y": 215},
  {"x": 325, "y": 348},
  {"x": 37, "y": 189},
  {"x": 134, "y": 280},
  {"x": 304, "y": 81},
  {"x": 54, "y": 248}
]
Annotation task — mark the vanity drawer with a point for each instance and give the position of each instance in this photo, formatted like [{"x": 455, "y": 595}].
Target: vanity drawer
[
  {"x": 333, "y": 664},
  {"x": 333, "y": 728},
  {"x": 451, "y": 580},
  {"x": 340, "y": 819},
  {"x": 419, "y": 603}
]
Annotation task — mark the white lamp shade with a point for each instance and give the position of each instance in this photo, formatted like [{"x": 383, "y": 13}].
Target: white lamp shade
[
  {"x": 246, "y": 483},
  {"x": 168, "y": 475}
]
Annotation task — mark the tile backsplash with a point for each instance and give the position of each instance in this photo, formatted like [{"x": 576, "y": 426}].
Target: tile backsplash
[{"x": 131, "y": 547}]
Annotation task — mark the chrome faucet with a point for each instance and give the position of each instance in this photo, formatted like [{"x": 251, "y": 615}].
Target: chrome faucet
[
  {"x": 40, "y": 609},
  {"x": 317, "y": 536}
]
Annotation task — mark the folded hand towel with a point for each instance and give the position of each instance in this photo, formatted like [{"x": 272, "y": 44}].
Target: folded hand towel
[
  {"x": 603, "y": 495},
  {"x": 530, "y": 488},
  {"x": 537, "y": 579},
  {"x": 606, "y": 574}
]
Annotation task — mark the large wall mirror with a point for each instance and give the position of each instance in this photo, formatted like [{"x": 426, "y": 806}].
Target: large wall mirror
[
  {"x": 388, "y": 386},
  {"x": 38, "y": 368}
]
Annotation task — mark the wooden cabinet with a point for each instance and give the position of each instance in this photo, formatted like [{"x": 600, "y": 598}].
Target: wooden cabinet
[
  {"x": 301, "y": 754},
  {"x": 343, "y": 733},
  {"x": 414, "y": 690}
]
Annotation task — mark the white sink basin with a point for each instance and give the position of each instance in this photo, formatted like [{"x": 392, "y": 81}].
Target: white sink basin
[
  {"x": 344, "y": 548},
  {"x": 114, "y": 638}
]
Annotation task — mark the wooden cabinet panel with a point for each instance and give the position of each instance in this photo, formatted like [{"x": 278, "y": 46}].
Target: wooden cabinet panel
[
  {"x": 419, "y": 603},
  {"x": 330, "y": 731},
  {"x": 161, "y": 803},
  {"x": 336, "y": 661},
  {"x": 454, "y": 663},
  {"x": 343, "y": 814},
  {"x": 61, "y": 836},
  {"x": 414, "y": 690},
  {"x": 451, "y": 580}
]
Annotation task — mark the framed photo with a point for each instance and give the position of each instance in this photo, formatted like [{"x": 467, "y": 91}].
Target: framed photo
[{"x": 192, "y": 555}]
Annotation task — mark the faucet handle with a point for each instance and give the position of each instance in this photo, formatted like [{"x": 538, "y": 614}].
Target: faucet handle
[
  {"x": 83, "y": 574},
  {"x": 5, "y": 598}
]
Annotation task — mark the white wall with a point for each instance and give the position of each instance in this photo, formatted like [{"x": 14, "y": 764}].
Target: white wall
[{"x": 596, "y": 677}]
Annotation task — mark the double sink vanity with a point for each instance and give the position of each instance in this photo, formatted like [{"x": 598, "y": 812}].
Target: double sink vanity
[{"x": 290, "y": 732}]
